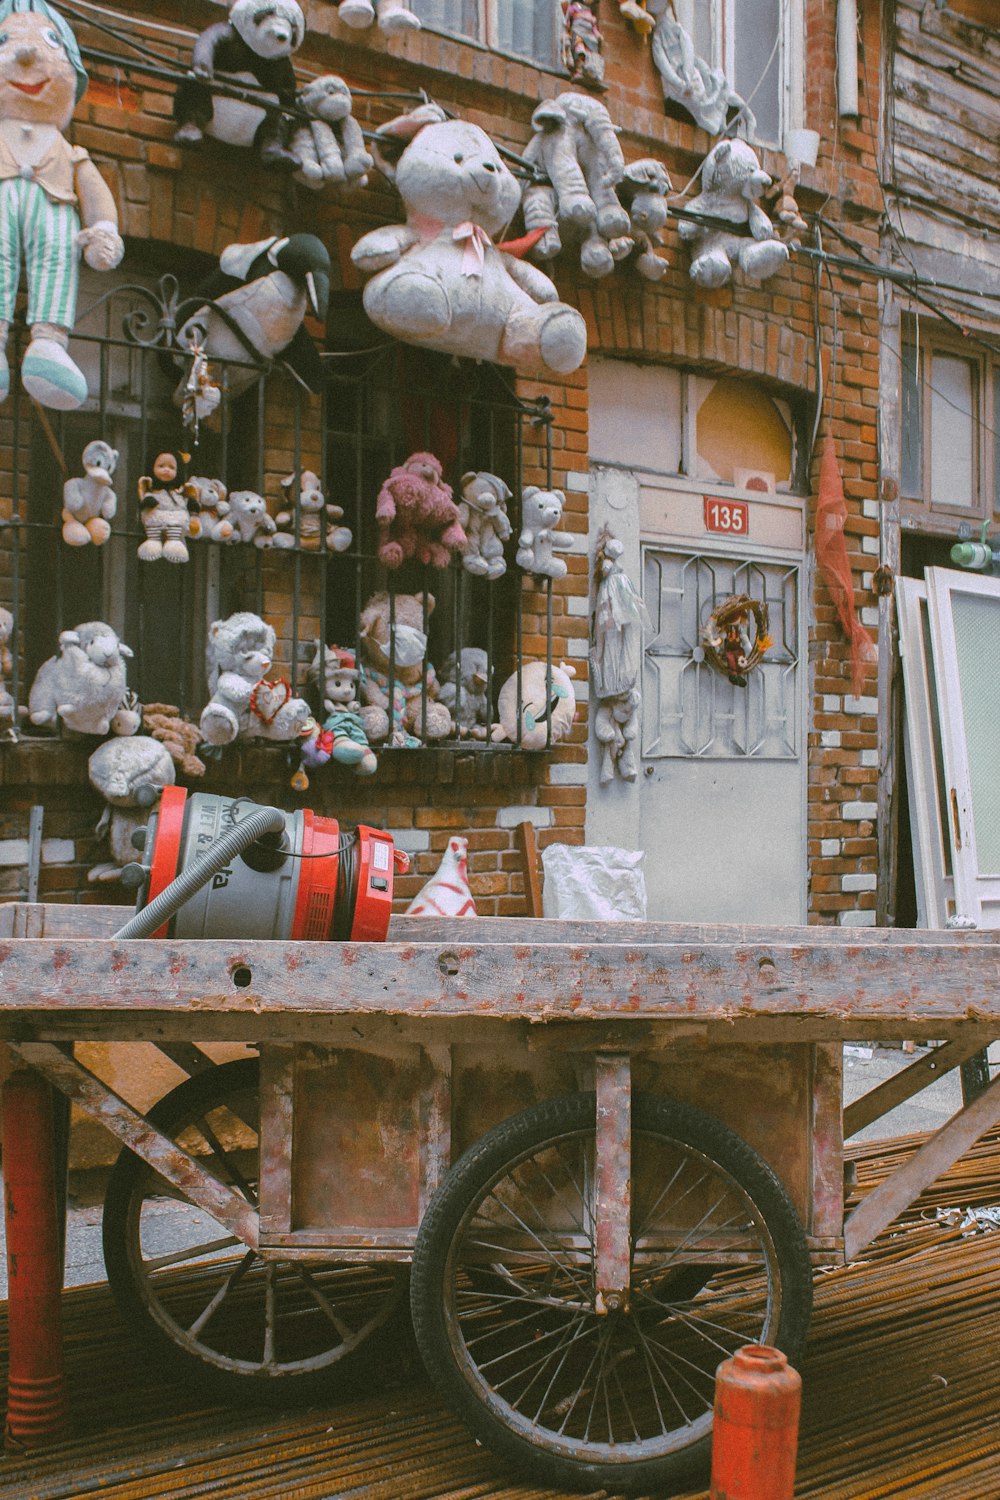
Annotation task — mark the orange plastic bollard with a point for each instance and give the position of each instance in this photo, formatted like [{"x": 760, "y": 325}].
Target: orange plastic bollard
[
  {"x": 36, "y": 1399},
  {"x": 756, "y": 1432}
]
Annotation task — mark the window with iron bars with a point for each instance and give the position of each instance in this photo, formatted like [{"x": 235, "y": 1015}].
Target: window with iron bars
[{"x": 379, "y": 402}]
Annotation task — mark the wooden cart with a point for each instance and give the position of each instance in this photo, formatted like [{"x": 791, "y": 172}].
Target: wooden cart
[{"x": 602, "y": 1157}]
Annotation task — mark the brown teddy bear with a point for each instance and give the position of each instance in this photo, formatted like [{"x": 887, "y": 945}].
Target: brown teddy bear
[
  {"x": 417, "y": 516},
  {"x": 177, "y": 735},
  {"x": 404, "y": 621}
]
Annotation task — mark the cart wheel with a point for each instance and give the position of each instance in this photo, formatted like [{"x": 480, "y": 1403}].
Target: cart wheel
[
  {"x": 502, "y": 1292},
  {"x": 243, "y": 1325}
]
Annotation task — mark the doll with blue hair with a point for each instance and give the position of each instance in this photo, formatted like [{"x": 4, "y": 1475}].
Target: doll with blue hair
[{"x": 54, "y": 203}]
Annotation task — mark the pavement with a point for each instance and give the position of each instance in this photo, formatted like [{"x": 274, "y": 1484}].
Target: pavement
[{"x": 865, "y": 1067}]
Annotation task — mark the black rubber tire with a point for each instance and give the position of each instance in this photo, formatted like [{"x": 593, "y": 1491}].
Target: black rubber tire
[
  {"x": 199, "y": 1095},
  {"x": 434, "y": 1274}
]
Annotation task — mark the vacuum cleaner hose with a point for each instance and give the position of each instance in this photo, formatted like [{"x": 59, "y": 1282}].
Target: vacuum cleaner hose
[{"x": 222, "y": 852}]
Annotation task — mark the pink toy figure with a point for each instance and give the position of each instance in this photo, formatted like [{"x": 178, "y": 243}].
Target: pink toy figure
[
  {"x": 582, "y": 42},
  {"x": 447, "y": 893},
  {"x": 417, "y": 516}
]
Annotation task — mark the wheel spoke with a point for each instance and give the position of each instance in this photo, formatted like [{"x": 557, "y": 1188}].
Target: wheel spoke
[
  {"x": 321, "y": 1300},
  {"x": 546, "y": 1251},
  {"x": 233, "y": 1279},
  {"x": 175, "y": 1257},
  {"x": 270, "y": 1315},
  {"x": 235, "y": 1175}
]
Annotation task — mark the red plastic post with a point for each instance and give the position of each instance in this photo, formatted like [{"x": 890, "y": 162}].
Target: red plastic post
[
  {"x": 36, "y": 1398},
  {"x": 756, "y": 1432}
]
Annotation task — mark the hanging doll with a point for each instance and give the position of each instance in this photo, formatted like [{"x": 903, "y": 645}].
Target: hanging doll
[
  {"x": 163, "y": 510},
  {"x": 617, "y": 623},
  {"x": 582, "y": 42},
  {"x": 48, "y": 189}
]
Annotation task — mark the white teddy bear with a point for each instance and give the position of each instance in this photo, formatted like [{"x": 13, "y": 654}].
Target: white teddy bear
[
  {"x": 438, "y": 280},
  {"x": 90, "y": 502},
  {"x": 248, "y": 516},
  {"x": 312, "y": 508},
  {"x": 482, "y": 515},
  {"x": 466, "y": 699},
  {"x": 732, "y": 182},
  {"x": 541, "y": 512},
  {"x": 331, "y": 147},
  {"x": 239, "y": 654},
  {"x": 207, "y": 507},
  {"x": 85, "y": 684}
]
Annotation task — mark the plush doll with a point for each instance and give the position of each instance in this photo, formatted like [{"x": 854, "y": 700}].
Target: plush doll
[
  {"x": 178, "y": 736},
  {"x": 400, "y": 622},
  {"x": 482, "y": 515},
  {"x": 643, "y": 191},
  {"x": 48, "y": 190},
  {"x": 130, "y": 774},
  {"x": 85, "y": 684},
  {"x": 266, "y": 289},
  {"x": 781, "y": 201},
  {"x": 576, "y": 147},
  {"x": 239, "y": 653},
  {"x": 307, "y": 497},
  {"x": 89, "y": 504},
  {"x": 8, "y": 712},
  {"x": 164, "y": 512},
  {"x": 394, "y": 16},
  {"x": 255, "y": 47},
  {"x": 438, "y": 280},
  {"x": 343, "y": 722},
  {"x": 447, "y": 893},
  {"x": 247, "y": 515},
  {"x": 466, "y": 699},
  {"x": 582, "y": 42},
  {"x": 417, "y": 516},
  {"x": 548, "y": 706},
  {"x": 331, "y": 147},
  {"x": 732, "y": 182},
  {"x": 208, "y": 506},
  {"x": 541, "y": 512},
  {"x": 690, "y": 81},
  {"x": 616, "y": 726},
  {"x": 127, "y": 717}
]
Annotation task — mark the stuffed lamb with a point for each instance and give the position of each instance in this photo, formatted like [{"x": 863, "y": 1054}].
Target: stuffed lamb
[
  {"x": 439, "y": 280},
  {"x": 85, "y": 684}
]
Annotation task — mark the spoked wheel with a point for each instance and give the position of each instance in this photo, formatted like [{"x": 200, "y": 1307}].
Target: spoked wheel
[
  {"x": 503, "y": 1285},
  {"x": 244, "y": 1325}
]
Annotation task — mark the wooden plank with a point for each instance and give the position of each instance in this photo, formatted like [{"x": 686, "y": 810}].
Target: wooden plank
[
  {"x": 435, "y": 1121},
  {"x": 163, "y": 1155},
  {"x": 528, "y": 847},
  {"x": 613, "y": 1183},
  {"x": 897, "y": 1191},
  {"x": 912, "y": 1080},
  {"x": 276, "y": 1133}
]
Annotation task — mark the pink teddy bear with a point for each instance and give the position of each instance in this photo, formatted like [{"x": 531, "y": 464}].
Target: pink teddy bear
[{"x": 417, "y": 516}]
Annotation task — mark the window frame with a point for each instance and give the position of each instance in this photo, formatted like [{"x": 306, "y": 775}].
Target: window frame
[
  {"x": 723, "y": 19},
  {"x": 487, "y": 30}
]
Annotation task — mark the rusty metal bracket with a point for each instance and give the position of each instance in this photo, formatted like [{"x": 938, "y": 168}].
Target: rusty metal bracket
[
  {"x": 173, "y": 1164},
  {"x": 613, "y": 1182}
]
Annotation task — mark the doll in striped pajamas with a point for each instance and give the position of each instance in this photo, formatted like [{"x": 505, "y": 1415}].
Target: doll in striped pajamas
[{"x": 54, "y": 203}]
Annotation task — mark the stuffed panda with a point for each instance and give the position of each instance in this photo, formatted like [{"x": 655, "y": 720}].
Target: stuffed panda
[{"x": 254, "y": 46}]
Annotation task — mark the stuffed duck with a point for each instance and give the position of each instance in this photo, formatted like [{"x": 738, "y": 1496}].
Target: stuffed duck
[{"x": 266, "y": 289}]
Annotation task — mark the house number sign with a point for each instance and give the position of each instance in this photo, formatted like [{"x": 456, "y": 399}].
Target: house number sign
[{"x": 732, "y": 517}]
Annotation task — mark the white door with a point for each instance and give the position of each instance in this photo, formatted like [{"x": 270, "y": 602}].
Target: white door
[{"x": 722, "y": 783}]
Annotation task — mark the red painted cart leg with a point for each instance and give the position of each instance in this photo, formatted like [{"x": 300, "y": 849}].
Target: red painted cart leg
[{"x": 36, "y": 1399}]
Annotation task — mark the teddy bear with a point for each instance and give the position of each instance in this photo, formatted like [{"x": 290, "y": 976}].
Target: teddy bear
[
  {"x": 130, "y": 774},
  {"x": 401, "y": 621},
  {"x": 575, "y": 147},
  {"x": 417, "y": 516},
  {"x": 732, "y": 182},
  {"x": 56, "y": 204},
  {"x": 239, "y": 653},
  {"x": 616, "y": 726},
  {"x": 85, "y": 684},
  {"x": 312, "y": 507},
  {"x": 8, "y": 714},
  {"x": 90, "y": 502},
  {"x": 394, "y": 16},
  {"x": 438, "y": 280},
  {"x": 207, "y": 509},
  {"x": 164, "y": 512},
  {"x": 179, "y": 737},
  {"x": 541, "y": 512},
  {"x": 254, "y": 46},
  {"x": 466, "y": 699},
  {"x": 330, "y": 147},
  {"x": 248, "y": 516},
  {"x": 343, "y": 737},
  {"x": 547, "y": 702},
  {"x": 643, "y": 192},
  {"x": 482, "y": 515}
]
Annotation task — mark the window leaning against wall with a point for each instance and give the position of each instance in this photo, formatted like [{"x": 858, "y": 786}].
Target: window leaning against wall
[
  {"x": 758, "y": 45},
  {"x": 950, "y": 460},
  {"x": 523, "y": 28}
]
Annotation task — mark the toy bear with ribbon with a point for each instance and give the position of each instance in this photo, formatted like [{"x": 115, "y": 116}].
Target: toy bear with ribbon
[
  {"x": 54, "y": 203},
  {"x": 439, "y": 280},
  {"x": 243, "y": 703}
]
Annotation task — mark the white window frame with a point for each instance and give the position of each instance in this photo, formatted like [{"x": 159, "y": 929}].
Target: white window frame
[
  {"x": 725, "y": 17},
  {"x": 935, "y": 886},
  {"x": 488, "y": 33},
  {"x": 922, "y": 343}
]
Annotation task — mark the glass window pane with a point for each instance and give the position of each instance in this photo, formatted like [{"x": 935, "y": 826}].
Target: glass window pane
[
  {"x": 912, "y": 447},
  {"x": 458, "y": 16},
  {"x": 757, "y": 63},
  {"x": 527, "y": 28},
  {"x": 953, "y": 430},
  {"x": 977, "y": 620}
]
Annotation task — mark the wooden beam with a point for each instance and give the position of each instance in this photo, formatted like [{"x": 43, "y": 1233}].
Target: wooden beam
[
  {"x": 897, "y": 1191},
  {"x": 613, "y": 1183},
  {"x": 912, "y": 1080},
  {"x": 528, "y": 847}
]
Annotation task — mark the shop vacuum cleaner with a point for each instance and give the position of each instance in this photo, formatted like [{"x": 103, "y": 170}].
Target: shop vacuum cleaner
[{"x": 226, "y": 867}]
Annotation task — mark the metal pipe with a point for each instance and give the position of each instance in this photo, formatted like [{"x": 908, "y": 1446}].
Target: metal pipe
[{"x": 847, "y": 58}]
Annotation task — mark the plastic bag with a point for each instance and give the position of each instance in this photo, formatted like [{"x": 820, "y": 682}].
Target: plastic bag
[{"x": 593, "y": 883}]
